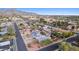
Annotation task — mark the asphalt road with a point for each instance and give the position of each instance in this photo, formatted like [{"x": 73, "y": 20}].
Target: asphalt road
[
  {"x": 50, "y": 48},
  {"x": 72, "y": 39},
  {"x": 20, "y": 43}
]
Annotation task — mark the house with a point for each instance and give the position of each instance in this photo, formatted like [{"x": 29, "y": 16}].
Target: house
[
  {"x": 4, "y": 45},
  {"x": 3, "y": 31},
  {"x": 3, "y": 24},
  {"x": 38, "y": 36}
]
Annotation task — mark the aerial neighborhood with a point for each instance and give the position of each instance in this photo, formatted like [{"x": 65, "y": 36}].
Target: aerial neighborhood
[{"x": 22, "y": 31}]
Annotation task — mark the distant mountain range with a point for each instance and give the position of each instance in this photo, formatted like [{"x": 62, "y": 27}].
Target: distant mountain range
[
  {"x": 10, "y": 12},
  {"x": 13, "y": 11}
]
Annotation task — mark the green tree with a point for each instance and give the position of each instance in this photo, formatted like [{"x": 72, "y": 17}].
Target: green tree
[
  {"x": 67, "y": 34},
  {"x": 11, "y": 31},
  {"x": 64, "y": 46},
  {"x": 43, "y": 21}
]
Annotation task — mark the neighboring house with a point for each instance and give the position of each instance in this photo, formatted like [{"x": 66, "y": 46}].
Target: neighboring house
[
  {"x": 4, "y": 45},
  {"x": 3, "y": 28},
  {"x": 47, "y": 28},
  {"x": 4, "y": 31},
  {"x": 3, "y": 24}
]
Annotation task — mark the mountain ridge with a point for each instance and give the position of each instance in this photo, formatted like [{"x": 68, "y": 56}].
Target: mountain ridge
[{"x": 10, "y": 12}]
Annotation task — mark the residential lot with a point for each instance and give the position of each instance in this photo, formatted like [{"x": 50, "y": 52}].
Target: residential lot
[{"x": 39, "y": 33}]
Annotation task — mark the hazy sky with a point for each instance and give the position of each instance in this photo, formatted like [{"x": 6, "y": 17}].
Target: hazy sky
[{"x": 52, "y": 11}]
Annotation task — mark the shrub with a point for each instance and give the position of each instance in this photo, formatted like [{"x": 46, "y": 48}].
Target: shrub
[
  {"x": 46, "y": 42},
  {"x": 67, "y": 34}
]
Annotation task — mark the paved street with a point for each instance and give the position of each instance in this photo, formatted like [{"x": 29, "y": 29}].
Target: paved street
[
  {"x": 20, "y": 43},
  {"x": 50, "y": 48},
  {"x": 72, "y": 39}
]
